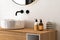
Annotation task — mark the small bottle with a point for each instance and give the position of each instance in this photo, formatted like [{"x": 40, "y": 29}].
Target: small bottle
[
  {"x": 36, "y": 25},
  {"x": 41, "y": 25}
]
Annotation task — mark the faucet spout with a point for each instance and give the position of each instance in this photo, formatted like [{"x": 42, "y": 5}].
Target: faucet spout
[
  {"x": 17, "y": 12},
  {"x": 21, "y": 11}
]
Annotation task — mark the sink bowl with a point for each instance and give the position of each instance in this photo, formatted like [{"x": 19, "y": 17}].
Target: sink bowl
[{"x": 12, "y": 24}]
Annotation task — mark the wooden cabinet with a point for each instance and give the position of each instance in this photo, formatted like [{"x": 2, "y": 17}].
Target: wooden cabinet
[
  {"x": 21, "y": 34},
  {"x": 6, "y": 35}
]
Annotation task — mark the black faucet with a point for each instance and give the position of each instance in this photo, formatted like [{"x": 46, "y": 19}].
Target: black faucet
[
  {"x": 17, "y": 12},
  {"x": 21, "y": 11}
]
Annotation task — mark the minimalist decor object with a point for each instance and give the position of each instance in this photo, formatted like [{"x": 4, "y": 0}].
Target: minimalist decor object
[
  {"x": 27, "y": 11},
  {"x": 23, "y": 2}
]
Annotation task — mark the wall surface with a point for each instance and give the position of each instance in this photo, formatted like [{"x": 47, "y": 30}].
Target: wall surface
[{"x": 48, "y": 10}]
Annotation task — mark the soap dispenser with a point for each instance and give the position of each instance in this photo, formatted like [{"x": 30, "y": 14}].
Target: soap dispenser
[
  {"x": 41, "y": 25},
  {"x": 36, "y": 25}
]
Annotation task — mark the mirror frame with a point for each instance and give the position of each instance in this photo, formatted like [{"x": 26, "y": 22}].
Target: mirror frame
[{"x": 22, "y": 4}]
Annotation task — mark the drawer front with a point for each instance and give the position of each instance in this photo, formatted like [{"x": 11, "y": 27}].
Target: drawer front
[
  {"x": 32, "y": 36},
  {"x": 4, "y": 35},
  {"x": 44, "y": 36}
]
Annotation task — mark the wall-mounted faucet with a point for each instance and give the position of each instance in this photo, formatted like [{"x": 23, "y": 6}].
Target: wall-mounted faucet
[
  {"x": 16, "y": 13},
  {"x": 21, "y": 11}
]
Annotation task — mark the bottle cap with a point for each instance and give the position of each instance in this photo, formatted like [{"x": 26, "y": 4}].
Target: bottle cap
[
  {"x": 36, "y": 20},
  {"x": 40, "y": 20}
]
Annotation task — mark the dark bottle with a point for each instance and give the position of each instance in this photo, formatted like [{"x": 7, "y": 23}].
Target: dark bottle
[{"x": 41, "y": 25}]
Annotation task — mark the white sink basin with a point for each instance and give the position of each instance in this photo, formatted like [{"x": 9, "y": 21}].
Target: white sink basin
[{"x": 12, "y": 24}]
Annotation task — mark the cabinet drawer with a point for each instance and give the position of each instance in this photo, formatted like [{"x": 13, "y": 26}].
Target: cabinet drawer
[
  {"x": 31, "y": 36},
  {"x": 5, "y": 35}
]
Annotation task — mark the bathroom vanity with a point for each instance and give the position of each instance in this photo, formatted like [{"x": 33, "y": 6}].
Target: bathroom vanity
[{"x": 27, "y": 34}]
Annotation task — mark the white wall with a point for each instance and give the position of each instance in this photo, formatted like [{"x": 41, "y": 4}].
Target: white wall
[{"x": 48, "y": 10}]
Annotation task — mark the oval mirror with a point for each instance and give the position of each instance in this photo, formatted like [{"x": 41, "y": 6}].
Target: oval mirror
[{"x": 23, "y": 2}]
